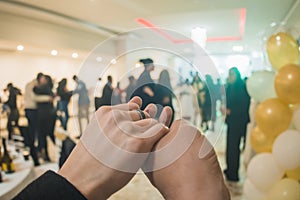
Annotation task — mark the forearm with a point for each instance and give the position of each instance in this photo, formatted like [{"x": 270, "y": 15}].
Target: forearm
[{"x": 77, "y": 170}]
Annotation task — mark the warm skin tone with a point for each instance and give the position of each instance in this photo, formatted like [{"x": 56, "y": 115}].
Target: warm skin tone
[
  {"x": 187, "y": 178},
  {"x": 94, "y": 179},
  {"x": 190, "y": 177}
]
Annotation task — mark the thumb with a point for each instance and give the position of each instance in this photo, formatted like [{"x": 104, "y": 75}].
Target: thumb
[{"x": 155, "y": 133}]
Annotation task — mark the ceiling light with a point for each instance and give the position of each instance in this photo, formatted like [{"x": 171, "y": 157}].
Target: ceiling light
[
  {"x": 278, "y": 38},
  {"x": 273, "y": 24},
  {"x": 74, "y": 55},
  {"x": 113, "y": 61},
  {"x": 99, "y": 59},
  {"x": 20, "y": 47},
  {"x": 237, "y": 48},
  {"x": 138, "y": 64},
  {"x": 54, "y": 52}
]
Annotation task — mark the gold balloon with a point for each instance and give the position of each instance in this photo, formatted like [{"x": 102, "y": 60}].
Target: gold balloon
[
  {"x": 273, "y": 116},
  {"x": 260, "y": 141},
  {"x": 294, "y": 174},
  {"x": 285, "y": 189},
  {"x": 287, "y": 83},
  {"x": 282, "y": 49}
]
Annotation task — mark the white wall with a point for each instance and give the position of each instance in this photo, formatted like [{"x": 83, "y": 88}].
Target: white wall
[{"x": 20, "y": 68}]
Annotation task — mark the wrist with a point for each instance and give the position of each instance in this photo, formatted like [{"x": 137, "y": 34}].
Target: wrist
[{"x": 84, "y": 172}]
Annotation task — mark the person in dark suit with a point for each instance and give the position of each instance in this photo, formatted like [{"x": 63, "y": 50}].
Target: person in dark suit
[
  {"x": 145, "y": 85},
  {"x": 237, "y": 118},
  {"x": 13, "y": 115},
  {"x": 107, "y": 92}
]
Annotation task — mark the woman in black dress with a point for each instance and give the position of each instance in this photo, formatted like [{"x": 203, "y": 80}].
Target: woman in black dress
[
  {"x": 46, "y": 115},
  {"x": 164, "y": 93},
  {"x": 237, "y": 118}
]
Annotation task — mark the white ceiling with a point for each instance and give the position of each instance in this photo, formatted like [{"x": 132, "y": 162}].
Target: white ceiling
[{"x": 82, "y": 24}]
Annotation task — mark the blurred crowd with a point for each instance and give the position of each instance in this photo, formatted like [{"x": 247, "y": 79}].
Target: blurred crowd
[{"x": 196, "y": 97}]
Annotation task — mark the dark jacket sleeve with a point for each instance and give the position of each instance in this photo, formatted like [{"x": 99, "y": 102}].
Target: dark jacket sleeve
[{"x": 50, "y": 186}]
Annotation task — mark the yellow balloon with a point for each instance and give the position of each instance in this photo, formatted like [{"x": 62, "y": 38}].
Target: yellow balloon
[
  {"x": 287, "y": 83},
  {"x": 260, "y": 141},
  {"x": 294, "y": 174},
  {"x": 285, "y": 189},
  {"x": 273, "y": 116},
  {"x": 282, "y": 49}
]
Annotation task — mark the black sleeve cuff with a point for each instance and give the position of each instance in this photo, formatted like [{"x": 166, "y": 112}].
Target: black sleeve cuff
[{"x": 50, "y": 186}]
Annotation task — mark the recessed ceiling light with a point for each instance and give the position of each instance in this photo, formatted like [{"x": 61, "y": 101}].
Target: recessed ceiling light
[
  {"x": 20, "y": 47},
  {"x": 113, "y": 61},
  {"x": 99, "y": 59},
  {"x": 237, "y": 48},
  {"x": 74, "y": 55},
  {"x": 54, "y": 52},
  {"x": 138, "y": 64},
  {"x": 273, "y": 24}
]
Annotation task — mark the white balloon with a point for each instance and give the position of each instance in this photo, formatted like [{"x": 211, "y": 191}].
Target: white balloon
[
  {"x": 263, "y": 171},
  {"x": 251, "y": 192},
  {"x": 286, "y": 149},
  {"x": 296, "y": 119},
  {"x": 260, "y": 85}
]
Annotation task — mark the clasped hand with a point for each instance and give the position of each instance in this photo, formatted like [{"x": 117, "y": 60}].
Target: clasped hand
[{"x": 117, "y": 143}]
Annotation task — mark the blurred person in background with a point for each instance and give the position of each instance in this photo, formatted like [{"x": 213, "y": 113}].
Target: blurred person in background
[
  {"x": 13, "y": 114},
  {"x": 31, "y": 113},
  {"x": 185, "y": 92},
  {"x": 107, "y": 92},
  {"x": 164, "y": 93},
  {"x": 130, "y": 88},
  {"x": 145, "y": 85},
  {"x": 62, "y": 105},
  {"x": 83, "y": 102},
  {"x": 208, "y": 104},
  {"x": 46, "y": 115},
  {"x": 117, "y": 95},
  {"x": 197, "y": 86},
  {"x": 237, "y": 118}
]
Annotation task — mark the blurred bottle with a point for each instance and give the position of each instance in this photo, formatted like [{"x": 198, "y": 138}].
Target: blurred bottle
[
  {"x": 0, "y": 167},
  {"x": 7, "y": 163}
]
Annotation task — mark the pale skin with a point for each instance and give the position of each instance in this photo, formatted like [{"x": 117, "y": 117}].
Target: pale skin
[
  {"x": 97, "y": 181},
  {"x": 187, "y": 178},
  {"x": 190, "y": 177}
]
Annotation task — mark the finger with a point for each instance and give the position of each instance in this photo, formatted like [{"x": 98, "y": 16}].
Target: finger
[
  {"x": 136, "y": 100},
  {"x": 136, "y": 115},
  {"x": 155, "y": 133},
  {"x": 145, "y": 124},
  {"x": 151, "y": 109},
  {"x": 127, "y": 106},
  {"x": 166, "y": 116}
]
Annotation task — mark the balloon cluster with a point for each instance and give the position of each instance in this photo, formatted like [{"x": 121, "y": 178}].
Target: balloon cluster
[{"x": 274, "y": 172}]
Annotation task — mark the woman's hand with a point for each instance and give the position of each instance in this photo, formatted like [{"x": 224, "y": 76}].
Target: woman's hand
[
  {"x": 113, "y": 147},
  {"x": 195, "y": 174}
]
